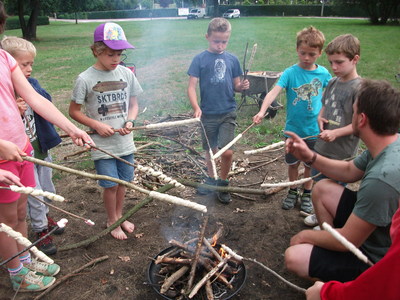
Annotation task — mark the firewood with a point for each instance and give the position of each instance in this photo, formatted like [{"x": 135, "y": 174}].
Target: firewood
[
  {"x": 188, "y": 248},
  {"x": 174, "y": 277},
  {"x": 209, "y": 291},
  {"x": 174, "y": 261}
]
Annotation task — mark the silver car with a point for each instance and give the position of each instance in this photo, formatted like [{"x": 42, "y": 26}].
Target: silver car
[{"x": 231, "y": 13}]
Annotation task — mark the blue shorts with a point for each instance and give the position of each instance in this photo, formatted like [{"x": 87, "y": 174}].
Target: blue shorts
[
  {"x": 220, "y": 129},
  {"x": 322, "y": 176},
  {"x": 114, "y": 168},
  {"x": 290, "y": 159}
]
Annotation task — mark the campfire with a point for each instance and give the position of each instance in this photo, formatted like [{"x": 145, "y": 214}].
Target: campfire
[{"x": 194, "y": 270}]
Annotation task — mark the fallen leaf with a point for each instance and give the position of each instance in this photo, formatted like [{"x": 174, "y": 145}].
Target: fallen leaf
[
  {"x": 103, "y": 281},
  {"x": 124, "y": 258},
  {"x": 239, "y": 210},
  {"x": 139, "y": 235}
]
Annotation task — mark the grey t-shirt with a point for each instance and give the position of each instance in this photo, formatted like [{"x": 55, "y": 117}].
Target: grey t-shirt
[
  {"x": 106, "y": 95},
  {"x": 338, "y": 101}
]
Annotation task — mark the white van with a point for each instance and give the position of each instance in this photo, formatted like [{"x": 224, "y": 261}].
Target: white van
[{"x": 196, "y": 13}]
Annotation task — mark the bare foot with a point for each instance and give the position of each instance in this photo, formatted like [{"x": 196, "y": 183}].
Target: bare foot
[
  {"x": 128, "y": 226},
  {"x": 119, "y": 234}
]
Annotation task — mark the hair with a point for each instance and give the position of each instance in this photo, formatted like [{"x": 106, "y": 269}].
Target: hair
[
  {"x": 346, "y": 44},
  {"x": 311, "y": 37},
  {"x": 98, "y": 48},
  {"x": 219, "y": 25},
  {"x": 380, "y": 102},
  {"x": 3, "y": 17},
  {"x": 13, "y": 44}
]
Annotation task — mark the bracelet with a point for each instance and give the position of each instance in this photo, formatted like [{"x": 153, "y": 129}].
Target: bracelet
[
  {"x": 309, "y": 163},
  {"x": 132, "y": 121}
]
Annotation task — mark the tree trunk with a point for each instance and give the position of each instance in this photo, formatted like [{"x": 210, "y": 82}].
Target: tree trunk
[{"x": 29, "y": 29}]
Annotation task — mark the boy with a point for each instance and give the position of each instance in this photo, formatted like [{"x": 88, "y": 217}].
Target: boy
[
  {"x": 43, "y": 137},
  {"x": 26, "y": 275},
  {"x": 219, "y": 74},
  {"x": 304, "y": 83},
  {"x": 108, "y": 91},
  {"x": 336, "y": 138}
]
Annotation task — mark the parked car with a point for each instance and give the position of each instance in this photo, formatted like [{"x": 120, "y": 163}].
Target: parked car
[
  {"x": 196, "y": 13},
  {"x": 231, "y": 13}
]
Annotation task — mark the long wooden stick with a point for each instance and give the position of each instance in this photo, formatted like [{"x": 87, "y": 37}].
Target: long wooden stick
[
  {"x": 353, "y": 249},
  {"x": 155, "y": 195}
]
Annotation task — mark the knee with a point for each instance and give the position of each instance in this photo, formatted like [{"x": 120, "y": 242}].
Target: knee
[{"x": 291, "y": 259}]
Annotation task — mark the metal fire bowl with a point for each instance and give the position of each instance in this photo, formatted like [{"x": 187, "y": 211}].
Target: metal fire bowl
[{"x": 237, "y": 283}]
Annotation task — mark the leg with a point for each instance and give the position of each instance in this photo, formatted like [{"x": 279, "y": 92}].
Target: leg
[
  {"x": 126, "y": 225},
  {"x": 37, "y": 210},
  {"x": 8, "y": 246},
  {"x": 297, "y": 259},
  {"x": 110, "y": 203},
  {"x": 326, "y": 196},
  {"x": 291, "y": 198},
  {"x": 226, "y": 163},
  {"x": 307, "y": 173}
]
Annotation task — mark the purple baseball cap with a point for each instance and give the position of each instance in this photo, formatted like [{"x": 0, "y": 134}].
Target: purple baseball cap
[{"x": 112, "y": 35}]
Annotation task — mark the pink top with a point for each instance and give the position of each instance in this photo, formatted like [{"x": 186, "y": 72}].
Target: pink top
[
  {"x": 11, "y": 126},
  {"x": 381, "y": 281}
]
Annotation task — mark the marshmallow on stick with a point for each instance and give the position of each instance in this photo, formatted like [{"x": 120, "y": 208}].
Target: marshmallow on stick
[
  {"x": 36, "y": 192},
  {"x": 178, "y": 201},
  {"x": 168, "y": 124}
]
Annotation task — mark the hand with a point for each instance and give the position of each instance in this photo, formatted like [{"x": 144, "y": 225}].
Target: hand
[
  {"x": 22, "y": 106},
  {"x": 104, "y": 130},
  {"x": 245, "y": 85},
  {"x": 258, "y": 118},
  {"x": 81, "y": 138},
  {"x": 6, "y": 177},
  {"x": 10, "y": 151},
  {"x": 299, "y": 238},
  {"x": 328, "y": 135},
  {"x": 127, "y": 129},
  {"x": 296, "y": 146},
  {"x": 314, "y": 292},
  {"x": 321, "y": 123},
  {"x": 197, "y": 113}
]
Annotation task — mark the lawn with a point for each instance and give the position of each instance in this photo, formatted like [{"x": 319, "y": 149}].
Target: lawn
[{"x": 165, "y": 48}]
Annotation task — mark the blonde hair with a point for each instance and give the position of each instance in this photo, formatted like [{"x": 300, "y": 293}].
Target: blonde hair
[
  {"x": 98, "y": 48},
  {"x": 219, "y": 25},
  {"x": 311, "y": 37},
  {"x": 346, "y": 44},
  {"x": 13, "y": 44}
]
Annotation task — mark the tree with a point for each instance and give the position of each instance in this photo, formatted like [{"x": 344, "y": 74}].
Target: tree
[{"x": 28, "y": 28}]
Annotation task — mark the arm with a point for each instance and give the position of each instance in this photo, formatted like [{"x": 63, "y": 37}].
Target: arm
[
  {"x": 339, "y": 170},
  {"x": 331, "y": 135},
  {"x": 10, "y": 151},
  {"x": 356, "y": 231},
  {"x": 240, "y": 85},
  {"x": 321, "y": 120},
  {"x": 76, "y": 114},
  {"x": 269, "y": 98},
  {"x": 46, "y": 109},
  {"x": 313, "y": 292},
  {"x": 132, "y": 115},
  {"x": 193, "y": 96}
]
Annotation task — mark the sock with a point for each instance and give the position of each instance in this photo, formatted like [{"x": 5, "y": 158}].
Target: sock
[
  {"x": 293, "y": 191},
  {"x": 15, "y": 271},
  {"x": 25, "y": 259},
  {"x": 306, "y": 191}
]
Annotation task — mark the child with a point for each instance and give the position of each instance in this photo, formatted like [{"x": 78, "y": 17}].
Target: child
[
  {"x": 219, "y": 74},
  {"x": 304, "y": 83},
  {"x": 26, "y": 275},
  {"x": 336, "y": 138},
  {"x": 43, "y": 137},
  {"x": 108, "y": 91}
]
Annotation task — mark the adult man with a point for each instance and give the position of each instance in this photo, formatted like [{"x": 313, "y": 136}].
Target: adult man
[{"x": 363, "y": 217}]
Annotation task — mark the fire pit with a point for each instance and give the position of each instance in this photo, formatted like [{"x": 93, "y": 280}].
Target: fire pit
[{"x": 231, "y": 281}]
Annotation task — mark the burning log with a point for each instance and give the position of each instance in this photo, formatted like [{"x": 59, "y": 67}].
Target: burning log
[{"x": 174, "y": 277}]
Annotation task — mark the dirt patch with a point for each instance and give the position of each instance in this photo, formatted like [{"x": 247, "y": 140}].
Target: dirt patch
[{"x": 256, "y": 227}]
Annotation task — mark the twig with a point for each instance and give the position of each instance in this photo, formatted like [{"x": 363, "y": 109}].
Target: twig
[
  {"x": 353, "y": 249},
  {"x": 64, "y": 278},
  {"x": 174, "y": 277}
]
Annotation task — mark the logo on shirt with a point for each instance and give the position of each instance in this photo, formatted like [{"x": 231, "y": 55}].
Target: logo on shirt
[
  {"x": 219, "y": 71},
  {"x": 306, "y": 91}
]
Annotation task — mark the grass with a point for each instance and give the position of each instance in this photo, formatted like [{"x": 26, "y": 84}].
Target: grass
[{"x": 165, "y": 48}]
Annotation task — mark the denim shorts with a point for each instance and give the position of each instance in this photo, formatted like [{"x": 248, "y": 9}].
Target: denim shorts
[
  {"x": 322, "y": 176},
  {"x": 290, "y": 159},
  {"x": 220, "y": 129},
  {"x": 114, "y": 168}
]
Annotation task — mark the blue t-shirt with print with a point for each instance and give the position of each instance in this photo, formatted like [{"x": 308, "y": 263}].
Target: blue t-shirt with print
[
  {"x": 216, "y": 73},
  {"x": 304, "y": 91}
]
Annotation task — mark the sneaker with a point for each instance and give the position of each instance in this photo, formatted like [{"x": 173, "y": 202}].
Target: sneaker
[
  {"x": 317, "y": 228},
  {"x": 46, "y": 245},
  {"x": 223, "y": 197},
  {"x": 205, "y": 191},
  {"x": 42, "y": 268},
  {"x": 290, "y": 201},
  {"x": 311, "y": 220},
  {"x": 28, "y": 281},
  {"x": 306, "y": 203},
  {"x": 51, "y": 224}
]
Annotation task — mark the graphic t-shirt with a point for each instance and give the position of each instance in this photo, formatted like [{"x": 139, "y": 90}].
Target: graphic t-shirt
[{"x": 106, "y": 95}]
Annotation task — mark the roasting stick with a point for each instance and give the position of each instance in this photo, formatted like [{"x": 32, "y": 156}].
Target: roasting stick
[
  {"x": 241, "y": 258},
  {"x": 238, "y": 137},
  {"x": 152, "y": 194},
  {"x": 33, "y": 192},
  {"x": 153, "y": 126},
  {"x": 353, "y": 249},
  {"x": 148, "y": 170},
  {"x": 289, "y": 183}
]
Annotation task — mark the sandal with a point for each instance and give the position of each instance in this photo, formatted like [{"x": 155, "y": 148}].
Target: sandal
[
  {"x": 306, "y": 203},
  {"x": 290, "y": 201}
]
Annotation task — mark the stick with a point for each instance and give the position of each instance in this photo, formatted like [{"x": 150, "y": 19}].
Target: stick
[
  {"x": 62, "y": 279},
  {"x": 213, "y": 165},
  {"x": 353, "y": 249},
  {"x": 226, "y": 147},
  {"x": 288, "y": 183},
  {"x": 156, "y": 195},
  {"x": 253, "y": 53},
  {"x": 174, "y": 277},
  {"x": 33, "y": 192}
]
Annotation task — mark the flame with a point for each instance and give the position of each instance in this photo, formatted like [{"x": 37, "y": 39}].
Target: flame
[
  {"x": 222, "y": 252},
  {"x": 214, "y": 240}
]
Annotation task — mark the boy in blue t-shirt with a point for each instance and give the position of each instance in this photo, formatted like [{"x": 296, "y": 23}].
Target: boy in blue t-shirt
[
  {"x": 304, "y": 83},
  {"x": 218, "y": 73}
]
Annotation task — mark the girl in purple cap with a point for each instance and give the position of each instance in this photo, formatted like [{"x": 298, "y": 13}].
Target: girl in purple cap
[{"x": 108, "y": 91}]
